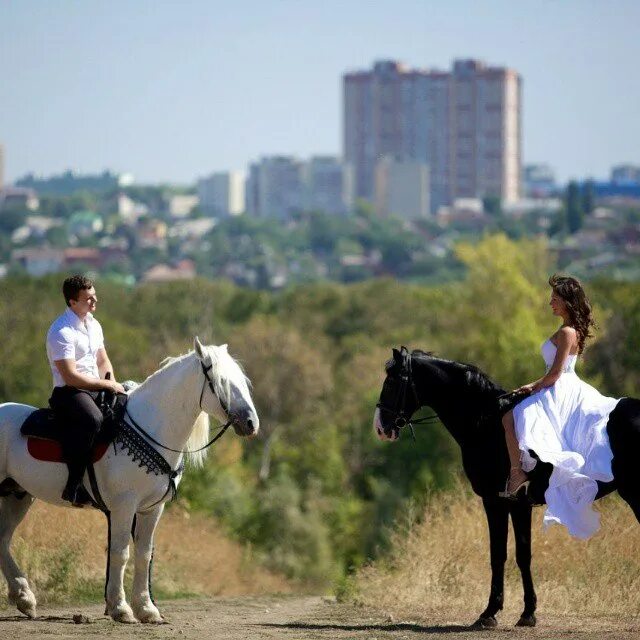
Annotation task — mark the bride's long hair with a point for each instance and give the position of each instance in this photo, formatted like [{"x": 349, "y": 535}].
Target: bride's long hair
[{"x": 578, "y": 306}]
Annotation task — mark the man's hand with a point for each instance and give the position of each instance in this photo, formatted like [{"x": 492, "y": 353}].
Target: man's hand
[{"x": 116, "y": 387}]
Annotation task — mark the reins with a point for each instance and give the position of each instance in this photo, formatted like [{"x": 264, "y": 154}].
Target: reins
[{"x": 220, "y": 433}]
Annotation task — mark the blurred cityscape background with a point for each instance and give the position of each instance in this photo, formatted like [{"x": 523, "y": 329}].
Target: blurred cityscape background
[{"x": 426, "y": 157}]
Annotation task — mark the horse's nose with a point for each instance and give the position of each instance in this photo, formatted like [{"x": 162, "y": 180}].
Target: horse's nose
[{"x": 252, "y": 426}]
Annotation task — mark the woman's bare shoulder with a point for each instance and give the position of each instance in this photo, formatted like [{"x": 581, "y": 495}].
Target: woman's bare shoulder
[{"x": 567, "y": 336}]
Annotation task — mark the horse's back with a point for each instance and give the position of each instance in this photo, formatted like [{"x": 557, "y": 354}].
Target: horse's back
[
  {"x": 623, "y": 429},
  {"x": 12, "y": 415},
  {"x": 11, "y": 412}
]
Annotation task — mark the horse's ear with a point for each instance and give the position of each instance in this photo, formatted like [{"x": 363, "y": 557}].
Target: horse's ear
[
  {"x": 397, "y": 356},
  {"x": 198, "y": 348},
  {"x": 225, "y": 347}
]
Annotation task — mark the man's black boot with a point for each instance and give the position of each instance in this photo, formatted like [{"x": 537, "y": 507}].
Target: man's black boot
[{"x": 74, "y": 492}]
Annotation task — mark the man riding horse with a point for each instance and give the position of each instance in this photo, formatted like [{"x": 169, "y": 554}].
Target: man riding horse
[{"x": 79, "y": 364}]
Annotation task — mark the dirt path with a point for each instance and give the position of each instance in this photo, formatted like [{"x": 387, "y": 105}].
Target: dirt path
[{"x": 304, "y": 617}]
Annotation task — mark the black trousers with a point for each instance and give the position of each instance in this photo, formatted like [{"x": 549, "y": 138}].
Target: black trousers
[{"x": 81, "y": 420}]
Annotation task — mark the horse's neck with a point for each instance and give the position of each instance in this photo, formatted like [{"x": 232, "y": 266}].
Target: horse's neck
[
  {"x": 166, "y": 404},
  {"x": 444, "y": 390}
]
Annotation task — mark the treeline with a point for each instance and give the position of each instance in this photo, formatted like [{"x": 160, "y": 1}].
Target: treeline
[{"x": 315, "y": 493}]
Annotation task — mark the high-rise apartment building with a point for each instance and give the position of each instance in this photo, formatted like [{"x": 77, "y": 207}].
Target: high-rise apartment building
[
  {"x": 222, "y": 194},
  {"x": 464, "y": 124}
]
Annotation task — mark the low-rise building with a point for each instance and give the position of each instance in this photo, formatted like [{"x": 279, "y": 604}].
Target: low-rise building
[
  {"x": 180, "y": 206},
  {"x": 539, "y": 181},
  {"x": 39, "y": 261},
  {"x": 19, "y": 198},
  {"x": 183, "y": 270},
  {"x": 625, "y": 174}
]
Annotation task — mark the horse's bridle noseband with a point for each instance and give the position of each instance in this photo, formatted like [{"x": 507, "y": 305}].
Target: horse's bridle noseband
[
  {"x": 209, "y": 381},
  {"x": 400, "y": 417}
]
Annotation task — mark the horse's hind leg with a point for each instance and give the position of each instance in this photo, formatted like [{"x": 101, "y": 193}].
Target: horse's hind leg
[
  {"x": 12, "y": 511},
  {"x": 143, "y": 607}
]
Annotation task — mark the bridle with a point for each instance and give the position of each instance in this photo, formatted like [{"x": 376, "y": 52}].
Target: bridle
[
  {"x": 401, "y": 418},
  {"x": 207, "y": 381}
]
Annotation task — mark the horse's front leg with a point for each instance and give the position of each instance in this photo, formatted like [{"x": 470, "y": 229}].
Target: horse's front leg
[
  {"x": 120, "y": 521},
  {"x": 143, "y": 607},
  {"x": 497, "y": 510},
  {"x": 521, "y": 518}
]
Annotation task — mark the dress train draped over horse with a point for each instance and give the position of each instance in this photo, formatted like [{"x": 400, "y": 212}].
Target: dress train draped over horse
[{"x": 565, "y": 424}]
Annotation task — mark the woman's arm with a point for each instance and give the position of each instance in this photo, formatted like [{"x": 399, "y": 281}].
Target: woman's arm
[{"x": 566, "y": 339}]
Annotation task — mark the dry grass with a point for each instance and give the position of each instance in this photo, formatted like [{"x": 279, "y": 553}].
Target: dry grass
[
  {"x": 441, "y": 564},
  {"x": 63, "y": 553}
]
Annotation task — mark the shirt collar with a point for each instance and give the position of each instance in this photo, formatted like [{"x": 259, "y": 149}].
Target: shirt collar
[{"x": 75, "y": 320}]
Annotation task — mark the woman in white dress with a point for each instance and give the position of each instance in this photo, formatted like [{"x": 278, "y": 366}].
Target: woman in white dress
[{"x": 563, "y": 420}]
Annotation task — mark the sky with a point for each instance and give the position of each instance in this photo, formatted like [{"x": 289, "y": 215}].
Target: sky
[{"x": 173, "y": 91}]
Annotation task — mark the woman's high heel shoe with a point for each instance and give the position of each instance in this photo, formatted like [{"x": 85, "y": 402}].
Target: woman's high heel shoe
[{"x": 514, "y": 494}]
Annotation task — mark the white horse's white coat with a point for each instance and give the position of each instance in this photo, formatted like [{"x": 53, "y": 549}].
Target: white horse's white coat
[{"x": 167, "y": 406}]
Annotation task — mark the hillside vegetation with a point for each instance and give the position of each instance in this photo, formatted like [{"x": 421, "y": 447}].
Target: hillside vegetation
[
  {"x": 439, "y": 563},
  {"x": 314, "y": 496},
  {"x": 63, "y": 552}
]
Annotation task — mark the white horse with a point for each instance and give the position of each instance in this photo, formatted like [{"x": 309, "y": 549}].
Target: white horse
[{"x": 173, "y": 407}]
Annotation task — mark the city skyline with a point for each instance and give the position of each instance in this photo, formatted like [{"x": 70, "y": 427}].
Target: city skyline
[{"x": 188, "y": 90}]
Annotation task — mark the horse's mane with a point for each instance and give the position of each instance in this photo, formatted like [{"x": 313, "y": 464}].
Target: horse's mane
[
  {"x": 224, "y": 370},
  {"x": 475, "y": 378}
]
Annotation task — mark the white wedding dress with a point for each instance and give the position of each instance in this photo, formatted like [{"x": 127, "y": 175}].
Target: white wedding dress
[{"x": 566, "y": 425}]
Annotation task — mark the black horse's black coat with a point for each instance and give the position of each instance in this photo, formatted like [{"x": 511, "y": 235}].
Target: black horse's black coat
[{"x": 471, "y": 406}]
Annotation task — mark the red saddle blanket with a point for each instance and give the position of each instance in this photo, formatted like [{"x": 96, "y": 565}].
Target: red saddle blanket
[{"x": 51, "y": 451}]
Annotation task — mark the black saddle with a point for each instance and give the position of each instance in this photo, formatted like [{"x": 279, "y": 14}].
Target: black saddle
[{"x": 45, "y": 425}]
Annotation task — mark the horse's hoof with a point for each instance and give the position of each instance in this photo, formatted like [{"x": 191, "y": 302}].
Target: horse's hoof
[
  {"x": 485, "y": 623},
  {"x": 27, "y": 605},
  {"x": 150, "y": 616},
  {"x": 527, "y": 621},
  {"x": 123, "y": 615}
]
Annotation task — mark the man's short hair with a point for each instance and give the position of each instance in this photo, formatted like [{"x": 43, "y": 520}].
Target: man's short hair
[{"x": 72, "y": 286}]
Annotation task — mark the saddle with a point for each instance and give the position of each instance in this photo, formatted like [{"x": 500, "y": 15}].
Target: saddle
[{"x": 44, "y": 430}]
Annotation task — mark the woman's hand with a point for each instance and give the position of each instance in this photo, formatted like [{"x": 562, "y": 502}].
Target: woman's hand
[{"x": 532, "y": 387}]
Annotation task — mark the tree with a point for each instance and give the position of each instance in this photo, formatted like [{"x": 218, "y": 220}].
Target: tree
[
  {"x": 492, "y": 205},
  {"x": 588, "y": 196},
  {"x": 499, "y": 314},
  {"x": 575, "y": 212},
  {"x": 291, "y": 382},
  {"x": 11, "y": 218}
]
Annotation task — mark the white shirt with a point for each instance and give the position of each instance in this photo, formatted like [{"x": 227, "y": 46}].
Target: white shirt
[{"x": 69, "y": 338}]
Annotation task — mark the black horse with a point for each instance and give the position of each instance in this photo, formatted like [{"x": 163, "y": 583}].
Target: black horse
[{"x": 471, "y": 406}]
